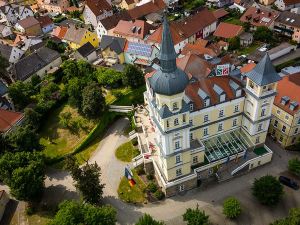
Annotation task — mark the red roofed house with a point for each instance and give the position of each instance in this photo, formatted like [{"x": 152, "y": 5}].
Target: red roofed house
[
  {"x": 58, "y": 6},
  {"x": 153, "y": 6},
  {"x": 228, "y": 30},
  {"x": 96, "y": 10},
  {"x": 59, "y": 32},
  {"x": 9, "y": 120},
  {"x": 199, "y": 25},
  {"x": 260, "y": 17},
  {"x": 285, "y": 123},
  {"x": 287, "y": 4},
  {"x": 201, "y": 48},
  {"x": 46, "y": 23},
  {"x": 133, "y": 31},
  {"x": 29, "y": 26}
]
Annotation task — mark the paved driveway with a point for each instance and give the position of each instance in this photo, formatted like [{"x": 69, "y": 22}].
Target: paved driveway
[{"x": 209, "y": 197}]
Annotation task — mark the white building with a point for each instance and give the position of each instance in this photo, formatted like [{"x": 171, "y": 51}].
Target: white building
[
  {"x": 287, "y": 4},
  {"x": 12, "y": 13},
  {"x": 11, "y": 53},
  {"x": 5, "y": 31}
]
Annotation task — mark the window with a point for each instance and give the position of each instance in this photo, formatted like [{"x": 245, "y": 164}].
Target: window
[
  {"x": 283, "y": 129},
  {"x": 176, "y": 122},
  {"x": 234, "y": 121},
  {"x": 220, "y": 127},
  {"x": 275, "y": 123},
  {"x": 191, "y": 136},
  {"x": 183, "y": 118},
  {"x": 293, "y": 140},
  {"x": 296, "y": 131},
  {"x": 195, "y": 159},
  {"x": 205, "y": 118},
  {"x": 205, "y": 131},
  {"x": 280, "y": 138},
  {"x": 221, "y": 113},
  {"x": 222, "y": 98},
  {"x": 238, "y": 93},
  {"x": 278, "y": 112},
  {"x": 178, "y": 159},
  {"x": 257, "y": 140},
  {"x": 177, "y": 144},
  {"x": 263, "y": 112},
  {"x": 191, "y": 107},
  {"x": 287, "y": 117},
  {"x": 175, "y": 107},
  {"x": 181, "y": 187},
  {"x": 206, "y": 102},
  {"x": 236, "y": 108},
  {"x": 298, "y": 121},
  {"x": 168, "y": 123},
  {"x": 191, "y": 121},
  {"x": 178, "y": 172},
  {"x": 259, "y": 128}
]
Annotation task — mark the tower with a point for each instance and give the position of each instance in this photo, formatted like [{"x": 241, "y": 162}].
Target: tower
[{"x": 260, "y": 93}]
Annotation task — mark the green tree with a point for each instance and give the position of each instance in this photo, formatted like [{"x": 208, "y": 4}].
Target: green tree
[
  {"x": 133, "y": 76},
  {"x": 109, "y": 77},
  {"x": 263, "y": 34},
  {"x": 86, "y": 177},
  {"x": 93, "y": 101},
  {"x": 292, "y": 219},
  {"x": 60, "y": 47},
  {"x": 146, "y": 219},
  {"x": 294, "y": 166},
  {"x": 32, "y": 118},
  {"x": 3, "y": 72},
  {"x": 232, "y": 208},
  {"x": 72, "y": 213},
  {"x": 247, "y": 26},
  {"x": 4, "y": 143},
  {"x": 267, "y": 190},
  {"x": 20, "y": 93},
  {"x": 24, "y": 138},
  {"x": 75, "y": 14},
  {"x": 74, "y": 89},
  {"x": 80, "y": 69},
  {"x": 195, "y": 217},
  {"x": 24, "y": 173},
  {"x": 65, "y": 119},
  {"x": 234, "y": 43}
]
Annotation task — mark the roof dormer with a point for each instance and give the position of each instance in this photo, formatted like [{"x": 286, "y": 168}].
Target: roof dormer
[
  {"x": 235, "y": 88},
  {"x": 293, "y": 105},
  {"x": 205, "y": 97},
  {"x": 220, "y": 92},
  {"x": 284, "y": 100}
]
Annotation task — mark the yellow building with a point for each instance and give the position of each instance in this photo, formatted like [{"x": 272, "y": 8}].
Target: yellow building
[
  {"x": 214, "y": 126},
  {"x": 127, "y": 4},
  {"x": 285, "y": 123},
  {"x": 77, "y": 37}
]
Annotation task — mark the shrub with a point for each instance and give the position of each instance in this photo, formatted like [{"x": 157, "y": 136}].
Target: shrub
[
  {"x": 294, "y": 166},
  {"x": 232, "y": 208},
  {"x": 117, "y": 93},
  {"x": 152, "y": 187},
  {"x": 159, "y": 195},
  {"x": 30, "y": 210},
  {"x": 134, "y": 142},
  {"x": 140, "y": 170},
  {"x": 150, "y": 176}
]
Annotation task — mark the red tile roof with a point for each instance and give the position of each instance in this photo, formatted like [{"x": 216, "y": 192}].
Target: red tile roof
[
  {"x": 44, "y": 21},
  {"x": 59, "y": 32},
  {"x": 288, "y": 86},
  {"x": 152, "y": 6},
  {"x": 219, "y": 13},
  {"x": 259, "y": 17},
  {"x": 206, "y": 85},
  {"x": 291, "y": 2},
  {"x": 228, "y": 30},
  {"x": 198, "y": 49},
  {"x": 137, "y": 28},
  {"x": 247, "y": 68},
  {"x": 28, "y": 22},
  {"x": 98, "y": 6},
  {"x": 8, "y": 119}
]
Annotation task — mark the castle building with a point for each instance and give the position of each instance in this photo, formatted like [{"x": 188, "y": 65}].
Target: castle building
[{"x": 216, "y": 126}]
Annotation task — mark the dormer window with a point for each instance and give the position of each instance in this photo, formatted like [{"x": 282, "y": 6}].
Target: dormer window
[
  {"x": 293, "y": 105},
  {"x": 222, "y": 98},
  {"x": 206, "y": 102},
  {"x": 191, "y": 107},
  {"x": 220, "y": 92},
  {"x": 175, "y": 106},
  {"x": 235, "y": 88},
  {"x": 204, "y": 97},
  {"x": 284, "y": 100},
  {"x": 238, "y": 93}
]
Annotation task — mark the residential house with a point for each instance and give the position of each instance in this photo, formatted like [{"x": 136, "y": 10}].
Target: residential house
[
  {"x": 4, "y": 199},
  {"x": 246, "y": 39},
  {"x": 29, "y": 26},
  {"x": 107, "y": 25},
  {"x": 86, "y": 52},
  {"x": 9, "y": 120},
  {"x": 243, "y": 5},
  {"x": 141, "y": 11},
  {"x": 12, "y": 13},
  {"x": 285, "y": 123},
  {"x": 54, "y": 6},
  {"x": 140, "y": 53},
  {"x": 112, "y": 49},
  {"x": 219, "y": 3},
  {"x": 288, "y": 23},
  {"x": 266, "y": 2},
  {"x": 78, "y": 36},
  {"x": 227, "y": 31},
  {"x": 202, "y": 48},
  {"x": 287, "y": 4},
  {"x": 11, "y": 53},
  {"x": 220, "y": 14},
  {"x": 127, "y": 4},
  {"x": 24, "y": 42},
  {"x": 3, "y": 89},
  {"x": 96, "y": 10},
  {"x": 59, "y": 32},
  {"x": 199, "y": 25},
  {"x": 46, "y": 23},
  {"x": 39, "y": 62},
  {"x": 296, "y": 10},
  {"x": 198, "y": 125},
  {"x": 133, "y": 31},
  {"x": 260, "y": 17},
  {"x": 5, "y": 31}
]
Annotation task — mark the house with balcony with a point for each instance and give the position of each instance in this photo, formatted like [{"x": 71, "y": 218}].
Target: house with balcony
[{"x": 193, "y": 130}]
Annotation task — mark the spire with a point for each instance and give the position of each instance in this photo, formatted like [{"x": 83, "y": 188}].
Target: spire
[
  {"x": 167, "y": 54},
  {"x": 264, "y": 72}
]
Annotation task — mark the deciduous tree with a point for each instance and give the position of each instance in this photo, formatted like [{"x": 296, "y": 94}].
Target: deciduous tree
[
  {"x": 133, "y": 76},
  {"x": 148, "y": 220},
  {"x": 294, "y": 166},
  {"x": 232, "y": 208},
  {"x": 195, "y": 217}
]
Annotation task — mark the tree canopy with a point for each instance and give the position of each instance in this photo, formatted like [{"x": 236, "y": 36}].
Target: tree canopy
[
  {"x": 294, "y": 166},
  {"x": 263, "y": 34},
  {"x": 232, "y": 208},
  {"x": 77, "y": 213},
  {"x": 133, "y": 76},
  {"x": 24, "y": 173},
  {"x": 20, "y": 93},
  {"x": 292, "y": 219},
  {"x": 195, "y": 217},
  {"x": 267, "y": 190},
  {"x": 3, "y": 72},
  {"x": 146, "y": 219}
]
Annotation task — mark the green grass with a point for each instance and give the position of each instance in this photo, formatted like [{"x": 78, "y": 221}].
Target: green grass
[
  {"x": 249, "y": 49},
  {"x": 131, "y": 96},
  {"x": 126, "y": 152},
  {"x": 133, "y": 194},
  {"x": 233, "y": 20},
  {"x": 260, "y": 151}
]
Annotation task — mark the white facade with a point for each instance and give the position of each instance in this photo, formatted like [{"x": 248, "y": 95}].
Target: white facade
[
  {"x": 12, "y": 13},
  {"x": 6, "y": 31},
  {"x": 280, "y": 4},
  {"x": 91, "y": 18},
  {"x": 15, "y": 55}
]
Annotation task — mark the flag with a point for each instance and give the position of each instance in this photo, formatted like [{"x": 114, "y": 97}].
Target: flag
[
  {"x": 131, "y": 182},
  {"x": 128, "y": 173}
]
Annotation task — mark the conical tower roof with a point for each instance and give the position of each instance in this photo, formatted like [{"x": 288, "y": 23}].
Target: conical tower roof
[
  {"x": 168, "y": 80},
  {"x": 264, "y": 72}
]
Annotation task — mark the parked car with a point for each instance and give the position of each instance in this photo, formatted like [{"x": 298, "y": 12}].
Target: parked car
[{"x": 289, "y": 182}]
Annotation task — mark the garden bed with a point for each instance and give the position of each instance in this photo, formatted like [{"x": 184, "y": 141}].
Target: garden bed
[{"x": 127, "y": 151}]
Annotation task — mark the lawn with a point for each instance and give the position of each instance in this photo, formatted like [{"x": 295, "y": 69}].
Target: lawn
[
  {"x": 126, "y": 152},
  {"x": 133, "y": 194},
  {"x": 59, "y": 141},
  {"x": 260, "y": 151},
  {"x": 233, "y": 20},
  {"x": 249, "y": 49}
]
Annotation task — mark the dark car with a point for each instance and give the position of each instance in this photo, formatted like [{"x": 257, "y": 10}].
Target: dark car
[{"x": 289, "y": 182}]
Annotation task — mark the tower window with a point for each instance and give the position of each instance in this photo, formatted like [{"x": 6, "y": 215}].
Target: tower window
[
  {"x": 259, "y": 128},
  {"x": 234, "y": 122},
  {"x": 177, "y": 145},
  {"x": 205, "y": 118},
  {"x": 191, "y": 107},
  {"x": 220, "y": 127},
  {"x": 263, "y": 112},
  {"x": 195, "y": 159},
  {"x": 275, "y": 123},
  {"x": 191, "y": 136},
  {"x": 176, "y": 122},
  {"x": 236, "y": 108},
  {"x": 168, "y": 125},
  {"x": 183, "y": 118},
  {"x": 205, "y": 131},
  {"x": 178, "y": 159},
  {"x": 178, "y": 172},
  {"x": 296, "y": 131},
  {"x": 221, "y": 113},
  {"x": 175, "y": 106},
  {"x": 283, "y": 129}
]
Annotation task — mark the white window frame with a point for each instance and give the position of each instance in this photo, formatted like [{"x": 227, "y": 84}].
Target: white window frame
[
  {"x": 177, "y": 145},
  {"x": 178, "y": 172},
  {"x": 205, "y": 118},
  {"x": 221, "y": 112},
  {"x": 220, "y": 125},
  {"x": 205, "y": 131}
]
